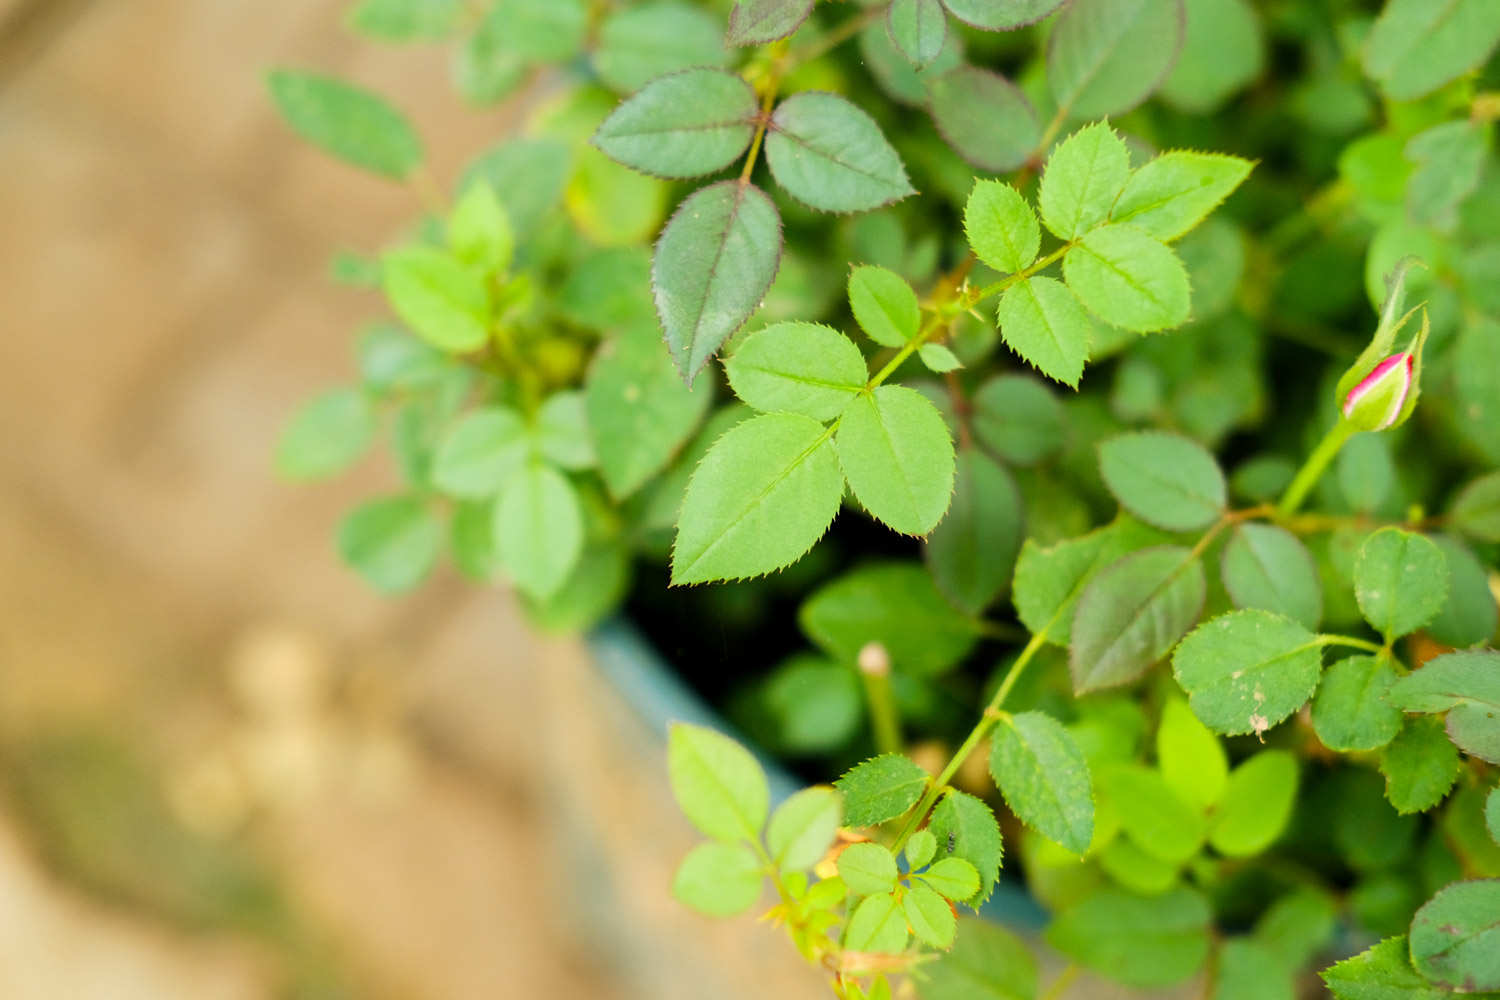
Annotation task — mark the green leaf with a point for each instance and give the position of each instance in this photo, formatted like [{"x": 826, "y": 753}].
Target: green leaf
[
  {"x": 593, "y": 589},
  {"x": 879, "y": 789},
  {"x": 392, "y": 542},
  {"x": 1297, "y": 927},
  {"x": 481, "y": 452},
  {"x": 471, "y": 539},
  {"x": 830, "y": 155},
  {"x": 528, "y": 175},
  {"x": 953, "y": 878},
  {"x": 479, "y": 232},
  {"x": 1190, "y": 756},
  {"x": 1400, "y": 580},
  {"x": 638, "y": 43},
  {"x": 1223, "y": 52},
  {"x": 1129, "y": 279},
  {"x": 1146, "y": 942},
  {"x": 965, "y": 828},
  {"x": 895, "y": 75},
  {"x": 1159, "y": 821},
  {"x": 1476, "y": 509},
  {"x": 714, "y": 261},
  {"x": 930, "y": 917},
  {"x": 1247, "y": 670},
  {"x": 812, "y": 705},
  {"x": 1001, "y": 15},
  {"x": 1001, "y": 227},
  {"x": 761, "y": 497},
  {"x": 562, "y": 431},
  {"x": 1043, "y": 323},
  {"x": 444, "y": 303},
  {"x": 1044, "y": 778},
  {"x": 1470, "y": 615},
  {"x": 1084, "y": 176},
  {"x": 898, "y": 457},
  {"x": 1455, "y": 936},
  {"x": 1107, "y": 56},
  {"x": 1265, "y": 566},
  {"x": 1420, "y": 766},
  {"x": 1350, "y": 712},
  {"x": 717, "y": 783},
  {"x": 405, "y": 20},
  {"x": 918, "y": 29},
  {"x": 685, "y": 124},
  {"x": 756, "y": 22},
  {"x": 876, "y": 925},
  {"x": 328, "y": 434},
  {"x": 1492, "y": 814},
  {"x": 895, "y": 604},
  {"x": 884, "y": 305},
  {"x": 1416, "y": 46},
  {"x": 1164, "y": 479},
  {"x": 609, "y": 291},
  {"x": 1467, "y": 686},
  {"x": 987, "y": 963},
  {"x": 984, "y": 117},
  {"x": 538, "y": 529},
  {"x": 973, "y": 549},
  {"x": 1257, "y": 804},
  {"x": 1383, "y": 972},
  {"x": 346, "y": 121},
  {"x": 920, "y": 848},
  {"x": 719, "y": 879},
  {"x": 1247, "y": 971},
  {"x": 543, "y": 30},
  {"x": 938, "y": 358},
  {"x": 867, "y": 868},
  {"x": 1175, "y": 191},
  {"x": 1018, "y": 418},
  {"x": 1134, "y": 869},
  {"x": 804, "y": 368},
  {"x": 1132, "y": 614},
  {"x": 486, "y": 68}
]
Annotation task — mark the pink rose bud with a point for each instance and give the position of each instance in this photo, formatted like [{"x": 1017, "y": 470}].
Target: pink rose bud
[{"x": 1376, "y": 402}]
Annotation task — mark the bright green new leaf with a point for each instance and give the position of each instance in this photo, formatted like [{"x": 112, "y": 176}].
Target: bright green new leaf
[
  {"x": 714, "y": 261},
  {"x": 984, "y": 117},
  {"x": 1134, "y": 869},
  {"x": 1190, "y": 756},
  {"x": 830, "y": 155},
  {"x": 1107, "y": 56},
  {"x": 1350, "y": 712},
  {"x": 987, "y": 963},
  {"x": 1044, "y": 778},
  {"x": 1162, "y": 823},
  {"x": 479, "y": 232},
  {"x": 761, "y": 497},
  {"x": 717, "y": 783},
  {"x": 392, "y": 541},
  {"x": 1002, "y": 228},
  {"x": 405, "y": 20},
  {"x": 444, "y": 303},
  {"x": 481, "y": 452},
  {"x": 1223, "y": 51},
  {"x": 1042, "y": 322},
  {"x": 682, "y": 125},
  {"x": 895, "y": 604},
  {"x": 1470, "y": 615},
  {"x": 1129, "y": 279},
  {"x": 953, "y": 878},
  {"x": 327, "y": 435},
  {"x": 1383, "y": 972},
  {"x": 1416, "y": 46},
  {"x": 1247, "y": 971},
  {"x": 1420, "y": 765},
  {"x": 1257, "y": 804},
  {"x": 1476, "y": 509},
  {"x": 640, "y": 42},
  {"x": 1084, "y": 176},
  {"x": 1455, "y": 936},
  {"x": 920, "y": 847},
  {"x": 350, "y": 123},
  {"x": 538, "y": 529},
  {"x": 876, "y": 925},
  {"x": 966, "y": 828},
  {"x": 867, "y": 868},
  {"x": 1001, "y": 15},
  {"x": 1132, "y": 614},
  {"x": 938, "y": 358},
  {"x": 897, "y": 455},
  {"x": 930, "y": 917},
  {"x": 880, "y": 788},
  {"x": 756, "y": 22},
  {"x": 1018, "y": 418},
  {"x": 918, "y": 29},
  {"x": 804, "y": 368},
  {"x": 1146, "y": 942},
  {"x": 1164, "y": 479},
  {"x": 719, "y": 879},
  {"x": 1400, "y": 580},
  {"x": 1175, "y": 191},
  {"x": 1265, "y": 566},
  {"x": 1246, "y": 671},
  {"x": 594, "y": 588},
  {"x": 1467, "y": 686},
  {"x": 884, "y": 305},
  {"x": 973, "y": 549}
]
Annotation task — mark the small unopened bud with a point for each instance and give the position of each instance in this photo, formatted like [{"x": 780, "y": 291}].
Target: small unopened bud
[
  {"x": 1376, "y": 401},
  {"x": 874, "y": 660}
]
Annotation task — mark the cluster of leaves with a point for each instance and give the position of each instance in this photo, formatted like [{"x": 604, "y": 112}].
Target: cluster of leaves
[{"x": 1175, "y": 748}]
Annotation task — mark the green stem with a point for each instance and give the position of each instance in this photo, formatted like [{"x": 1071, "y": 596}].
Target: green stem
[
  {"x": 1312, "y": 470},
  {"x": 1061, "y": 983},
  {"x": 1351, "y": 641},
  {"x": 885, "y": 719}
]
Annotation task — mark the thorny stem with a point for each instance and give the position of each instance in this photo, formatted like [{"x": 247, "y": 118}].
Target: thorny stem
[{"x": 1312, "y": 470}]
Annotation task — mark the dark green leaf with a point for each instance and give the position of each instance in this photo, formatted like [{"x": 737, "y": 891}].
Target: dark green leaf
[
  {"x": 1107, "y": 56},
  {"x": 1420, "y": 766},
  {"x": 1146, "y": 942},
  {"x": 1350, "y": 712},
  {"x": 1466, "y": 686},
  {"x": 1001, "y": 227},
  {"x": 538, "y": 529},
  {"x": 984, "y": 118},
  {"x": 1129, "y": 279},
  {"x": 1043, "y": 323},
  {"x": 973, "y": 549},
  {"x": 830, "y": 155},
  {"x": 717, "y": 783},
  {"x": 896, "y": 605},
  {"x": 1132, "y": 614},
  {"x": 1175, "y": 191},
  {"x": 639, "y": 43},
  {"x": 350, "y": 123},
  {"x": 1018, "y": 418},
  {"x": 1044, "y": 778},
  {"x": 1246, "y": 671},
  {"x": 1455, "y": 936},
  {"x": 1476, "y": 509},
  {"x": 756, "y": 22},
  {"x": 1416, "y": 46},
  {"x": 965, "y": 828},
  {"x": 1001, "y": 15},
  {"x": 897, "y": 455},
  {"x": 814, "y": 705},
  {"x": 1049, "y": 580},
  {"x": 1265, "y": 566},
  {"x": 1401, "y": 581},
  {"x": 719, "y": 879},
  {"x": 327, "y": 435},
  {"x": 1164, "y": 479},
  {"x": 1084, "y": 176},
  {"x": 1470, "y": 615},
  {"x": 918, "y": 29},
  {"x": 880, "y": 788},
  {"x": 684, "y": 124},
  {"x": 1223, "y": 51}
]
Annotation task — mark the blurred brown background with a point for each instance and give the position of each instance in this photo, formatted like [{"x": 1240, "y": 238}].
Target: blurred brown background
[{"x": 227, "y": 768}]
